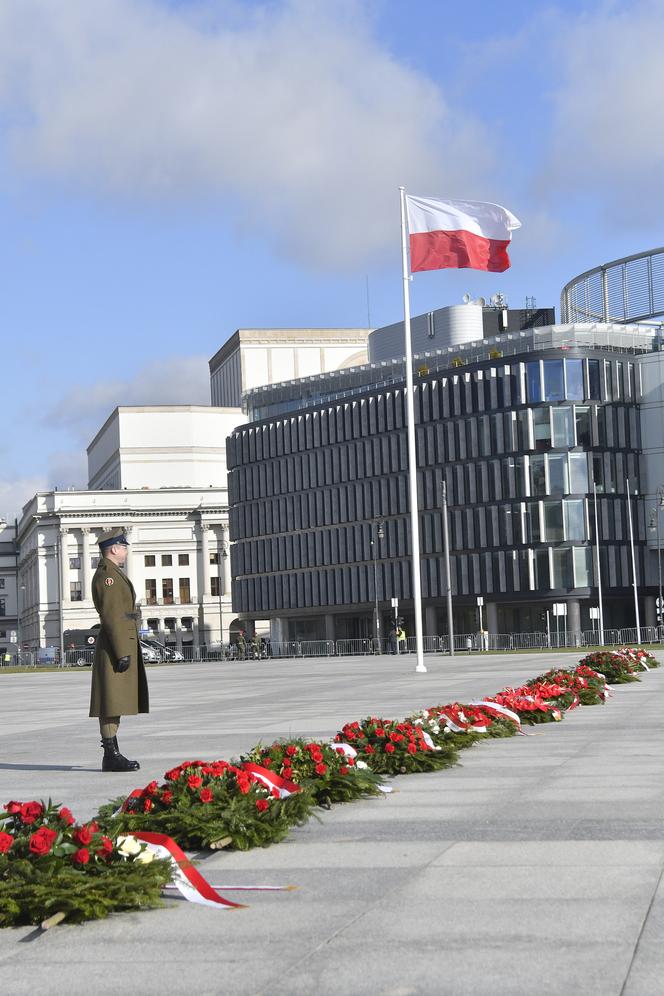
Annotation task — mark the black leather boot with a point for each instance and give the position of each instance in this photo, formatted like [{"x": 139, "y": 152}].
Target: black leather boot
[{"x": 113, "y": 760}]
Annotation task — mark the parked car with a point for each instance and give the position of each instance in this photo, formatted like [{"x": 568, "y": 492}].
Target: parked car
[
  {"x": 150, "y": 654},
  {"x": 165, "y": 653}
]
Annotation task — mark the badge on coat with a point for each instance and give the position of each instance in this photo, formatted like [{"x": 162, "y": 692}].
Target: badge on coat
[{"x": 108, "y": 581}]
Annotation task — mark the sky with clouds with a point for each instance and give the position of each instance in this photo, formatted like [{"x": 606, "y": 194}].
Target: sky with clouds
[{"x": 171, "y": 170}]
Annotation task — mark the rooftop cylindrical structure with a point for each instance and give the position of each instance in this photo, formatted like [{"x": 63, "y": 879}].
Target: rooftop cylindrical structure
[{"x": 630, "y": 289}]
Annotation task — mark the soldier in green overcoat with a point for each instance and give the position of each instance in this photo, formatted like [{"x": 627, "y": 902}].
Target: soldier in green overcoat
[{"x": 119, "y": 683}]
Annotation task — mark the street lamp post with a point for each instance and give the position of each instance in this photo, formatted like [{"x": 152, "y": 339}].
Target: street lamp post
[
  {"x": 448, "y": 575},
  {"x": 634, "y": 580},
  {"x": 222, "y": 573},
  {"x": 19, "y": 589},
  {"x": 654, "y": 524},
  {"x": 377, "y": 533}
]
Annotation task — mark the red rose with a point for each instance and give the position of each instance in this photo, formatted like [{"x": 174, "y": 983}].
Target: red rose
[
  {"x": 93, "y": 827},
  {"x": 350, "y": 761},
  {"x": 151, "y": 789},
  {"x": 244, "y": 785},
  {"x": 287, "y": 772},
  {"x": 411, "y": 748},
  {"x": 267, "y": 762},
  {"x": 66, "y": 816},
  {"x": 343, "y": 770},
  {"x": 13, "y": 808},
  {"x": 380, "y": 732},
  {"x": 194, "y": 781},
  {"x": 368, "y": 749},
  {"x": 82, "y": 836},
  {"x": 82, "y": 856},
  {"x": 320, "y": 769},
  {"x": 291, "y": 750},
  {"x": 106, "y": 847},
  {"x": 389, "y": 748},
  {"x": 166, "y": 797},
  {"x": 148, "y": 805},
  {"x": 31, "y": 811},
  {"x": 41, "y": 842},
  {"x": 205, "y": 795},
  {"x": 262, "y": 805},
  {"x": 6, "y": 841},
  {"x": 173, "y": 774}
]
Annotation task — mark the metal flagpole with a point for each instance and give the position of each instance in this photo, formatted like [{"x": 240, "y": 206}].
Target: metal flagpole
[
  {"x": 599, "y": 572},
  {"x": 412, "y": 452},
  {"x": 631, "y": 543}
]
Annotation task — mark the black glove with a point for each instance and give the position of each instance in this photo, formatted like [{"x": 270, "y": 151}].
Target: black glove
[{"x": 122, "y": 665}]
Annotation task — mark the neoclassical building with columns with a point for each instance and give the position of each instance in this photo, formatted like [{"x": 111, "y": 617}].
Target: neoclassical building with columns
[{"x": 178, "y": 562}]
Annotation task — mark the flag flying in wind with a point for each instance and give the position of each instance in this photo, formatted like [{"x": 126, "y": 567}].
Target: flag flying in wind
[{"x": 458, "y": 234}]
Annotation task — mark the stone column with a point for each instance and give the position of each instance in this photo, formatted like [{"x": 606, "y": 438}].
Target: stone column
[
  {"x": 278, "y": 630},
  {"x": 178, "y": 633},
  {"x": 205, "y": 554},
  {"x": 651, "y": 610},
  {"x": 574, "y": 618},
  {"x": 225, "y": 558},
  {"x": 64, "y": 566},
  {"x": 329, "y": 627},
  {"x": 430, "y": 621},
  {"x": 86, "y": 569},
  {"x": 129, "y": 562},
  {"x": 492, "y": 617}
]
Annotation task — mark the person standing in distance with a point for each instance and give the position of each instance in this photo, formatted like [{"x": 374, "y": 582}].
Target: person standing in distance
[{"x": 119, "y": 682}]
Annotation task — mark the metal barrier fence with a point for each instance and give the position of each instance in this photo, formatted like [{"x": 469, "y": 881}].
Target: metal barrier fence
[{"x": 463, "y": 643}]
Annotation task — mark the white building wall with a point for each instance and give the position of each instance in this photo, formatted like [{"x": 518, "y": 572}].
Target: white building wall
[
  {"x": 187, "y": 522},
  {"x": 162, "y": 446}
]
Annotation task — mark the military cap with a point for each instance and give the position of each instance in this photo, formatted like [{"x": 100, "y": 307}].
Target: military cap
[{"x": 111, "y": 537}]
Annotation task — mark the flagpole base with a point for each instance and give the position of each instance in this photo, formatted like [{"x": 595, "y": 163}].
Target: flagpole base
[{"x": 420, "y": 669}]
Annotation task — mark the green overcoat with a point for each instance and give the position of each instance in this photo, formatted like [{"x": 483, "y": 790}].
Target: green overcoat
[{"x": 116, "y": 694}]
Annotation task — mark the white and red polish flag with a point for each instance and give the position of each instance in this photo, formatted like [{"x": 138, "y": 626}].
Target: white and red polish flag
[{"x": 458, "y": 234}]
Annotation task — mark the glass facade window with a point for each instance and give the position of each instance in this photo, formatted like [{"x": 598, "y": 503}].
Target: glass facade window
[
  {"x": 563, "y": 427},
  {"x": 583, "y": 567},
  {"x": 575, "y": 519},
  {"x": 563, "y": 573},
  {"x": 554, "y": 386},
  {"x": 598, "y": 472},
  {"x": 578, "y": 473},
  {"x": 574, "y": 374},
  {"x": 558, "y": 475},
  {"x": 583, "y": 429},
  {"x": 541, "y": 577},
  {"x": 553, "y": 521},
  {"x": 594, "y": 381},
  {"x": 537, "y": 476},
  {"x": 533, "y": 522},
  {"x": 608, "y": 381},
  {"x": 542, "y": 428},
  {"x": 534, "y": 386}
]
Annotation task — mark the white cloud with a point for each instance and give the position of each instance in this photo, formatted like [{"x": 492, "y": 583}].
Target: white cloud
[
  {"x": 291, "y": 114},
  {"x": 14, "y": 493},
  {"x": 608, "y": 127},
  {"x": 180, "y": 380}
]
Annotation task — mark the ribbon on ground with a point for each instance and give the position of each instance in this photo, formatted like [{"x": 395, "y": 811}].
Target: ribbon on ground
[
  {"x": 501, "y": 709},
  {"x": 187, "y": 879},
  {"x": 272, "y": 780}
]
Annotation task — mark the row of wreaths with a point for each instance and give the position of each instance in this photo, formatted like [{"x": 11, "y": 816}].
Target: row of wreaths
[{"x": 53, "y": 868}]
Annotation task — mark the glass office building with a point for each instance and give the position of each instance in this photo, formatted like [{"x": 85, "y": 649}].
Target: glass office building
[{"x": 519, "y": 428}]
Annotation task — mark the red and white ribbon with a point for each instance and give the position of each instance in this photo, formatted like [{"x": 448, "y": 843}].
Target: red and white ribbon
[
  {"x": 272, "y": 780},
  {"x": 187, "y": 879},
  {"x": 501, "y": 709},
  {"x": 344, "y": 749}
]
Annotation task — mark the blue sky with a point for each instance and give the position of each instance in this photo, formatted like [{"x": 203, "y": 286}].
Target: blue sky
[{"x": 170, "y": 171}]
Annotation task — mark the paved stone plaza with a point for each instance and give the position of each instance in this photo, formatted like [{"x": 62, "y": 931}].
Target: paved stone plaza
[{"x": 534, "y": 867}]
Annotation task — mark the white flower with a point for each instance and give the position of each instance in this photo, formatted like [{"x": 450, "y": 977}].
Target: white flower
[
  {"x": 417, "y": 722},
  {"x": 361, "y": 765},
  {"x": 435, "y": 729},
  {"x": 145, "y": 857},
  {"x": 129, "y": 847}
]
